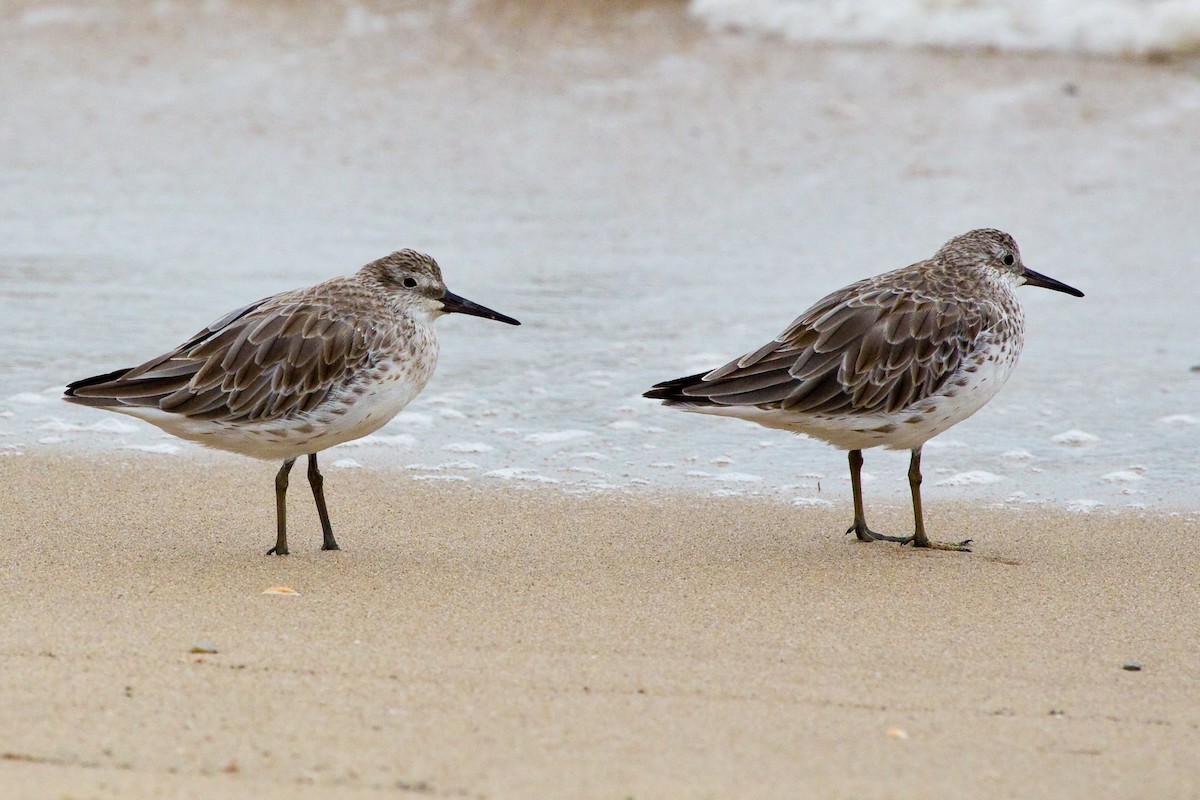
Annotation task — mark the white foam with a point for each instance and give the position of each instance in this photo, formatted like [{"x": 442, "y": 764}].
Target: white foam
[
  {"x": 438, "y": 478},
  {"x": 812, "y": 501},
  {"x": 459, "y": 465},
  {"x": 737, "y": 477},
  {"x": 51, "y": 440},
  {"x": 946, "y": 444},
  {"x": 976, "y": 477},
  {"x": 519, "y": 474},
  {"x": 1179, "y": 420},
  {"x": 553, "y": 437},
  {"x": 1122, "y": 476},
  {"x": 468, "y": 447},
  {"x": 625, "y": 425},
  {"x": 30, "y": 399},
  {"x": 1083, "y": 506},
  {"x": 1018, "y": 455},
  {"x": 1075, "y": 438},
  {"x": 56, "y": 425},
  {"x": 391, "y": 440},
  {"x": 163, "y": 449},
  {"x": 411, "y": 419},
  {"x": 346, "y": 463},
  {"x": 1113, "y": 27}
]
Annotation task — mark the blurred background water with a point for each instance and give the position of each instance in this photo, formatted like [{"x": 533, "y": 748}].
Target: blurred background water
[
  {"x": 651, "y": 187},
  {"x": 1156, "y": 28}
]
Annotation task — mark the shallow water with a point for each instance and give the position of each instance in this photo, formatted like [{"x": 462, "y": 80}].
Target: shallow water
[
  {"x": 648, "y": 197},
  {"x": 1110, "y": 27}
]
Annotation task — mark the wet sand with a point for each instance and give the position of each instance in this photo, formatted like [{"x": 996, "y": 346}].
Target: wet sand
[{"x": 477, "y": 641}]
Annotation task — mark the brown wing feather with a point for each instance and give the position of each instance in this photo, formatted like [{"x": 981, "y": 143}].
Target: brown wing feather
[
  {"x": 866, "y": 349},
  {"x": 269, "y": 360}
]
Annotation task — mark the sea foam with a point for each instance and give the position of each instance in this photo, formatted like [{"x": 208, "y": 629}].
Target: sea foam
[{"x": 1105, "y": 27}]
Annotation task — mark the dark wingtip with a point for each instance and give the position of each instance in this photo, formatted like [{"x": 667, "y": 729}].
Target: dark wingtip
[
  {"x": 83, "y": 383},
  {"x": 672, "y": 391}
]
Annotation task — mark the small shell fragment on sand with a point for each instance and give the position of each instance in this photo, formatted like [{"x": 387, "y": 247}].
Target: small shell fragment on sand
[
  {"x": 1131, "y": 666},
  {"x": 897, "y": 733},
  {"x": 280, "y": 590},
  {"x": 204, "y": 647}
]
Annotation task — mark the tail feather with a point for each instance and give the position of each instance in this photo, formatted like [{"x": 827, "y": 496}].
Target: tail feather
[
  {"x": 674, "y": 392},
  {"x": 88, "y": 399},
  {"x": 108, "y": 391}
]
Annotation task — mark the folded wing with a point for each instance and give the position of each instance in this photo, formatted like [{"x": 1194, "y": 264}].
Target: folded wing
[
  {"x": 269, "y": 360},
  {"x": 864, "y": 349}
]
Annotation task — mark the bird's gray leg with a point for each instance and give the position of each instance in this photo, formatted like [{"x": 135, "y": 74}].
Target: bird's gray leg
[
  {"x": 919, "y": 537},
  {"x": 317, "y": 482},
  {"x": 859, "y": 527},
  {"x": 281, "y": 484}
]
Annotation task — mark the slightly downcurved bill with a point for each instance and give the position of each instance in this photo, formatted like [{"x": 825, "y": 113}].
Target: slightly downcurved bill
[
  {"x": 453, "y": 304},
  {"x": 1037, "y": 279}
]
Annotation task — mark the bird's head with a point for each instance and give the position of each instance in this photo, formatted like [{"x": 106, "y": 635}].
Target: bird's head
[
  {"x": 997, "y": 252},
  {"x": 416, "y": 280}
]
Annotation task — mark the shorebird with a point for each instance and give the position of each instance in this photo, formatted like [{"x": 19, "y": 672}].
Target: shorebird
[
  {"x": 890, "y": 361},
  {"x": 297, "y": 372}
]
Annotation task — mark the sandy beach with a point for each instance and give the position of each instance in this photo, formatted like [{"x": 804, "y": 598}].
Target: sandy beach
[
  {"x": 518, "y": 644},
  {"x": 550, "y": 587}
]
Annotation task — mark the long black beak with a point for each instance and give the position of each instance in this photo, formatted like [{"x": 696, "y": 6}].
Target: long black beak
[
  {"x": 453, "y": 304},
  {"x": 1037, "y": 279}
]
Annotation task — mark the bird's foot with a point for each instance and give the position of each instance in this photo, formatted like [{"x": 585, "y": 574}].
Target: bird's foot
[
  {"x": 924, "y": 541},
  {"x": 865, "y": 534},
  {"x": 278, "y": 551},
  {"x": 330, "y": 546}
]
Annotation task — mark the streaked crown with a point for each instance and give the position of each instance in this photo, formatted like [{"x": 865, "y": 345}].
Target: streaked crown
[
  {"x": 983, "y": 247},
  {"x": 407, "y": 271}
]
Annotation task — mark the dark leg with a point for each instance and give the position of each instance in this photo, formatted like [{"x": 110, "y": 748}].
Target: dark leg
[
  {"x": 859, "y": 527},
  {"x": 318, "y": 483},
  {"x": 919, "y": 538},
  {"x": 281, "y": 484}
]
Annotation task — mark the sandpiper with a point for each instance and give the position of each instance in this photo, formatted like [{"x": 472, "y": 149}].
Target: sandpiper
[
  {"x": 296, "y": 373},
  {"x": 890, "y": 361}
]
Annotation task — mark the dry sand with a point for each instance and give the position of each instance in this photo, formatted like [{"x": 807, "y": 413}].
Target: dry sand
[{"x": 488, "y": 642}]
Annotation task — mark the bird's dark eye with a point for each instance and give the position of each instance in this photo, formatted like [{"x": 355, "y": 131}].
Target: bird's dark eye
[
  {"x": 410, "y": 283},
  {"x": 1009, "y": 260}
]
